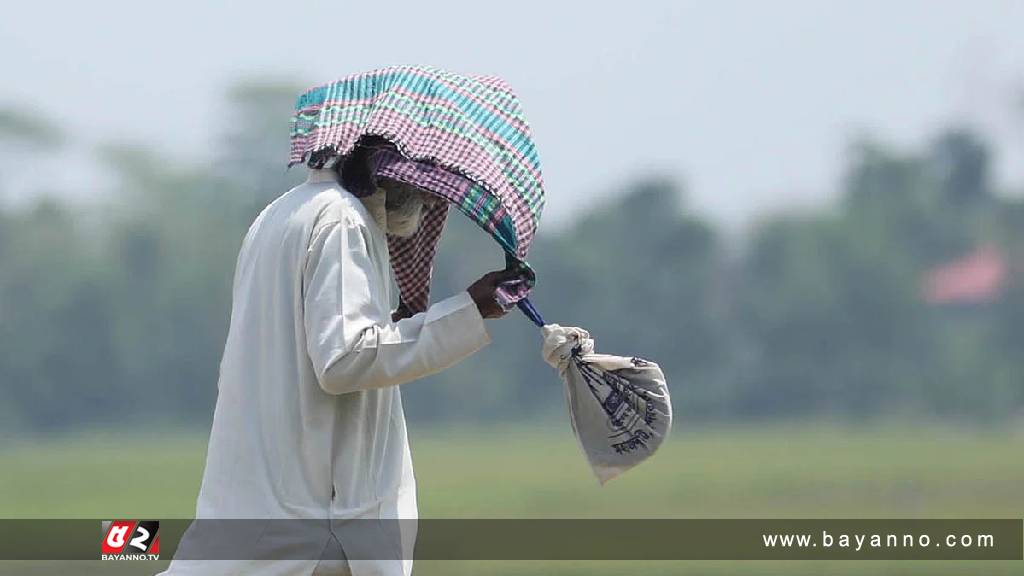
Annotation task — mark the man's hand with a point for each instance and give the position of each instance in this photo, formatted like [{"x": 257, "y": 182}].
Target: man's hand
[
  {"x": 401, "y": 313},
  {"x": 482, "y": 292}
]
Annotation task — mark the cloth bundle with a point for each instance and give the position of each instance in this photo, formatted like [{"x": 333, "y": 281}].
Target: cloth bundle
[{"x": 619, "y": 406}]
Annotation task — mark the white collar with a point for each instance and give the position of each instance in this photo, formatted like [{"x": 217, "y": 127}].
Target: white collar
[{"x": 317, "y": 175}]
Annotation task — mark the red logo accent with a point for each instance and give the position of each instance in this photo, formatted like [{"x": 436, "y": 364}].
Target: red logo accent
[
  {"x": 117, "y": 535},
  {"x": 130, "y": 540}
]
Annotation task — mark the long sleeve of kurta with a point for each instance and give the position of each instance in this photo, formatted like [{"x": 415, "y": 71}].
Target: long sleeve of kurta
[{"x": 350, "y": 338}]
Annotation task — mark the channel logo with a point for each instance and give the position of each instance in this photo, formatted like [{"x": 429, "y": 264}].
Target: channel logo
[{"x": 130, "y": 540}]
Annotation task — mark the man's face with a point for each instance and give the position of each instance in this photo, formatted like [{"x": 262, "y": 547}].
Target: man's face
[{"x": 404, "y": 205}]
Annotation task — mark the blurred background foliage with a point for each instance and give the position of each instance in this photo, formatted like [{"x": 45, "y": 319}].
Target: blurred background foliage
[{"x": 116, "y": 310}]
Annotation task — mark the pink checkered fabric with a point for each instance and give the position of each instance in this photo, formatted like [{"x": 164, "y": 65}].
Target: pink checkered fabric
[
  {"x": 463, "y": 138},
  {"x": 412, "y": 258}
]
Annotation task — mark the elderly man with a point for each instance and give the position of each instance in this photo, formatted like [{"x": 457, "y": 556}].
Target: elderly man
[{"x": 309, "y": 421}]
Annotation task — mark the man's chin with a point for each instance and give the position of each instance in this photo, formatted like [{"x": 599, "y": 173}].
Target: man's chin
[{"x": 404, "y": 231}]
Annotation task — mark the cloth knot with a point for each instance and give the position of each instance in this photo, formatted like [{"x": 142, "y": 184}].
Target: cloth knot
[{"x": 561, "y": 342}]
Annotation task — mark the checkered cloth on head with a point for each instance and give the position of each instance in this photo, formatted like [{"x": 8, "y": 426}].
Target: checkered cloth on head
[{"x": 463, "y": 138}]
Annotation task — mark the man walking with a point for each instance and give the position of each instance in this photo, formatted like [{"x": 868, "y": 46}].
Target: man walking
[{"x": 309, "y": 422}]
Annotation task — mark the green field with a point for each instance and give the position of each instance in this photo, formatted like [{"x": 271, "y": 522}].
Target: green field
[{"x": 812, "y": 471}]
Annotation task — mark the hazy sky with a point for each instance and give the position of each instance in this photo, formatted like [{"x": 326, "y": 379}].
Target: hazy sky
[{"x": 751, "y": 103}]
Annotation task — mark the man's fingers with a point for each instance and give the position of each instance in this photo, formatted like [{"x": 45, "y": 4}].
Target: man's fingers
[
  {"x": 498, "y": 276},
  {"x": 508, "y": 275},
  {"x": 483, "y": 292},
  {"x": 492, "y": 278}
]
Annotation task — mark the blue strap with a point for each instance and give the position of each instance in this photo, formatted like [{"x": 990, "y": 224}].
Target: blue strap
[{"x": 527, "y": 307}]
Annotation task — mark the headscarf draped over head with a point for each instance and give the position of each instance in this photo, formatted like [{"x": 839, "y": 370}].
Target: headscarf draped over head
[{"x": 462, "y": 138}]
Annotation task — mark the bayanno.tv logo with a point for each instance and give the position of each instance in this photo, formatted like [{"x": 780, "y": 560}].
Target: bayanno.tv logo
[{"x": 130, "y": 540}]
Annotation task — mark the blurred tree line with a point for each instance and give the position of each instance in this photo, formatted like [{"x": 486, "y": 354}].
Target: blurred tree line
[{"x": 116, "y": 311}]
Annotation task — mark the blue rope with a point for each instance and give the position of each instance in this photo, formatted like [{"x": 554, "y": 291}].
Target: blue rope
[{"x": 527, "y": 307}]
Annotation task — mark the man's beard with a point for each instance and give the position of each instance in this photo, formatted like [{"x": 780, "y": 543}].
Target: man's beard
[
  {"x": 403, "y": 220},
  {"x": 398, "y": 215}
]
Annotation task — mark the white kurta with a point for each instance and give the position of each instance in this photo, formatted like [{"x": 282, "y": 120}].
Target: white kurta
[{"x": 309, "y": 421}]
